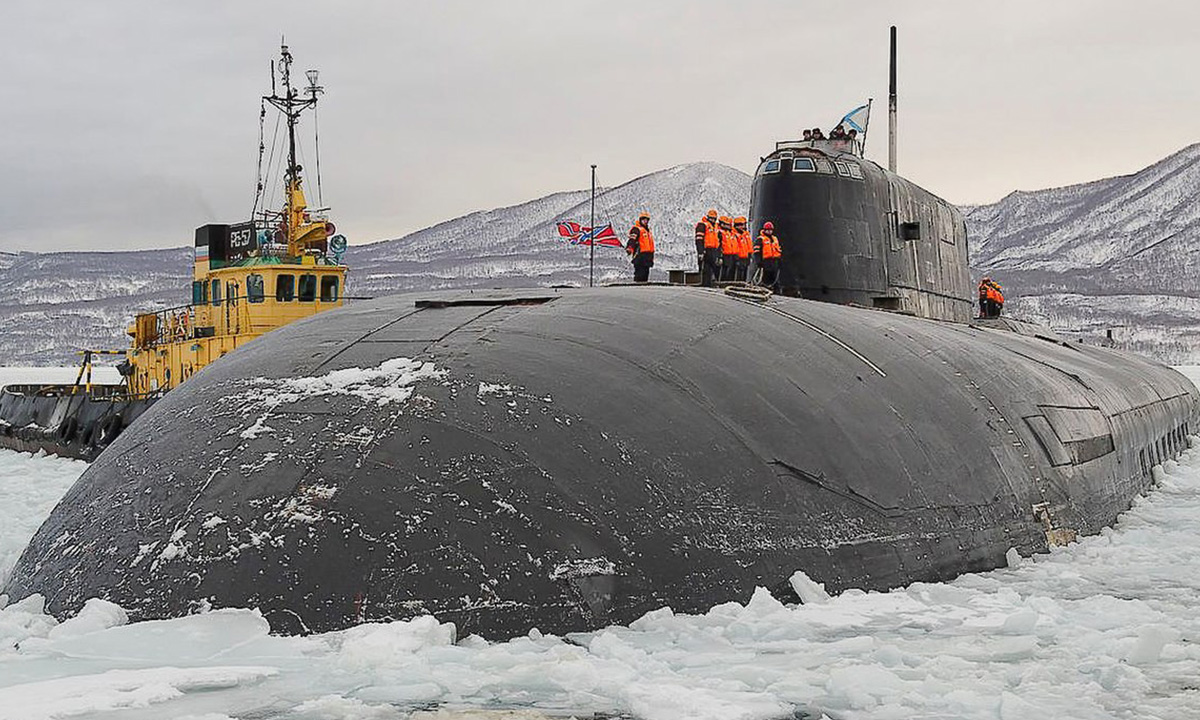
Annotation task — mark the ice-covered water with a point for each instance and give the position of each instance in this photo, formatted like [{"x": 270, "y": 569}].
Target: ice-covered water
[
  {"x": 10, "y": 375},
  {"x": 1104, "y": 628}
]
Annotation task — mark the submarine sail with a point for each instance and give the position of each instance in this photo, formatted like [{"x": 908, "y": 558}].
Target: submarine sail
[{"x": 854, "y": 233}]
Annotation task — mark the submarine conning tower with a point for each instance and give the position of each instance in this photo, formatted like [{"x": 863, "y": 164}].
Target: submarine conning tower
[{"x": 855, "y": 233}]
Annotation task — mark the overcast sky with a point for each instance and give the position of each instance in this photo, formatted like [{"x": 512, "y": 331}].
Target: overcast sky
[{"x": 125, "y": 124}]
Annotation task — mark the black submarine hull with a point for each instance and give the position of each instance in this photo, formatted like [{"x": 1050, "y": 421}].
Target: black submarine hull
[
  {"x": 569, "y": 459},
  {"x": 66, "y": 420}
]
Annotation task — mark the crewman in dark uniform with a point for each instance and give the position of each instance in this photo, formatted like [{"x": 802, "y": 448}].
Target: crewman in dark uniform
[
  {"x": 708, "y": 249},
  {"x": 640, "y": 248}
]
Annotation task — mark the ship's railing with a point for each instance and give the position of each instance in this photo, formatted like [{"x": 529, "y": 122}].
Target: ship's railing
[
  {"x": 854, "y": 147},
  {"x": 229, "y": 316}
]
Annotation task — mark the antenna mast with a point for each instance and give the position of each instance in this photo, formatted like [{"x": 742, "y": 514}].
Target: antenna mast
[
  {"x": 892, "y": 108},
  {"x": 291, "y": 104}
]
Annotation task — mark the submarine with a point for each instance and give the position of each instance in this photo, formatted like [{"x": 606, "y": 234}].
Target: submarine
[{"x": 568, "y": 459}]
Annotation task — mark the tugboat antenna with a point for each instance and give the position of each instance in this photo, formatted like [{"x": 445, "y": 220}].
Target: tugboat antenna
[
  {"x": 289, "y": 110},
  {"x": 291, "y": 103},
  {"x": 313, "y": 91}
]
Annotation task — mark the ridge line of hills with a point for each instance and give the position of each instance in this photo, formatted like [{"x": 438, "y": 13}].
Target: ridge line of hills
[{"x": 1120, "y": 252}]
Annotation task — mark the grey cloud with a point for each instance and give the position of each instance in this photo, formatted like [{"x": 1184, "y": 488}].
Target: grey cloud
[{"x": 132, "y": 122}]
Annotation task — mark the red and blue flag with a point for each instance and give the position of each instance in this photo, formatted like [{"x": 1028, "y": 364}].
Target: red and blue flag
[{"x": 577, "y": 234}]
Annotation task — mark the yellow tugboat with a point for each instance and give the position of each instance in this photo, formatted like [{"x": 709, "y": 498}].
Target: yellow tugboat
[{"x": 249, "y": 278}]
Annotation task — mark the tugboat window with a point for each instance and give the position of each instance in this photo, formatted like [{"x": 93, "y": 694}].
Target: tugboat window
[
  {"x": 254, "y": 288},
  {"x": 197, "y": 292},
  {"x": 842, "y": 168},
  {"x": 803, "y": 164},
  {"x": 772, "y": 166},
  {"x": 285, "y": 288},
  {"x": 216, "y": 292},
  {"x": 308, "y": 288},
  {"x": 824, "y": 166},
  {"x": 329, "y": 288},
  {"x": 855, "y": 170}
]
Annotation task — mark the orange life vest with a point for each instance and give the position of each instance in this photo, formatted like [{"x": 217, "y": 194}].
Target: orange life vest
[
  {"x": 745, "y": 244},
  {"x": 770, "y": 247},
  {"x": 729, "y": 242},
  {"x": 711, "y": 239},
  {"x": 645, "y": 238},
  {"x": 991, "y": 291}
]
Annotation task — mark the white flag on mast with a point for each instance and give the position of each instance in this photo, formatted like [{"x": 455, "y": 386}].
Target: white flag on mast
[{"x": 856, "y": 119}]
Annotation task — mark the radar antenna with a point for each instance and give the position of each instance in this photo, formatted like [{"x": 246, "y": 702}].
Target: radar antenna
[{"x": 298, "y": 229}]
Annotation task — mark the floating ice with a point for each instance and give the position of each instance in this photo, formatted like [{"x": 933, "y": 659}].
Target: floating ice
[{"x": 808, "y": 590}]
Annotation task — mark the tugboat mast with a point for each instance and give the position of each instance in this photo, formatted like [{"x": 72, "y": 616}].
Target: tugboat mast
[{"x": 292, "y": 104}]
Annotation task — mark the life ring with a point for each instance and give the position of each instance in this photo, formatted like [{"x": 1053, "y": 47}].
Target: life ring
[{"x": 68, "y": 429}]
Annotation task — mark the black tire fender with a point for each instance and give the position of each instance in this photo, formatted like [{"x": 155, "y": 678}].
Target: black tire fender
[
  {"x": 109, "y": 430},
  {"x": 68, "y": 429}
]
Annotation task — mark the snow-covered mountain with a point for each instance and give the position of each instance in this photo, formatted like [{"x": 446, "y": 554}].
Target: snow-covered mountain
[
  {"x": 52, "y": 304},
  {"x": 519, "y": 245},
  {"x": 1120, "y": 253}
]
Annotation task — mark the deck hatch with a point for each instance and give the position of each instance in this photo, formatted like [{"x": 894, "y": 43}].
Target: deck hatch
[{"x": 437, "y": 303}]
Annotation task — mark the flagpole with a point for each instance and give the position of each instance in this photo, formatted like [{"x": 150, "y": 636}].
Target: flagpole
[
  {"x": 592, "y": 252},
  {"x": 866, "y": 128}
]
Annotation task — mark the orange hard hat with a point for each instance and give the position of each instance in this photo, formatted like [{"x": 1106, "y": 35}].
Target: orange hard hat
[
  {"x": 644, "y": 216},
  {"x": 768, "y": 225},
  {"x": 712, "y": 214},
  {"x": 739, "y": 220},
  {"x": 726, "y": 219}
]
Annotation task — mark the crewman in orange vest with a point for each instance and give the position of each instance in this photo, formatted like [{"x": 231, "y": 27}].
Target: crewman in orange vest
[
  {"x": 745, "y": 248},
  {"x": 729, "y": 248},
  {"x": 991, "y": 298},
  {"x": 708, "y": 249},
  {"x": 997, "y": 298},
  {"x": 640, "y": 248},
  {"x": 768, "y": 254}
]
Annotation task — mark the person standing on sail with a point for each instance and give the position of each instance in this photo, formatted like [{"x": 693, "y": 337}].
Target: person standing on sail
[
  {"x": 729, "y": 248},
  {"x": 745, "y": 246},
  {"x": 708, "y": 249},
  {"x": 769, "y": 253},
  {"x": 640, "y": 248}
]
